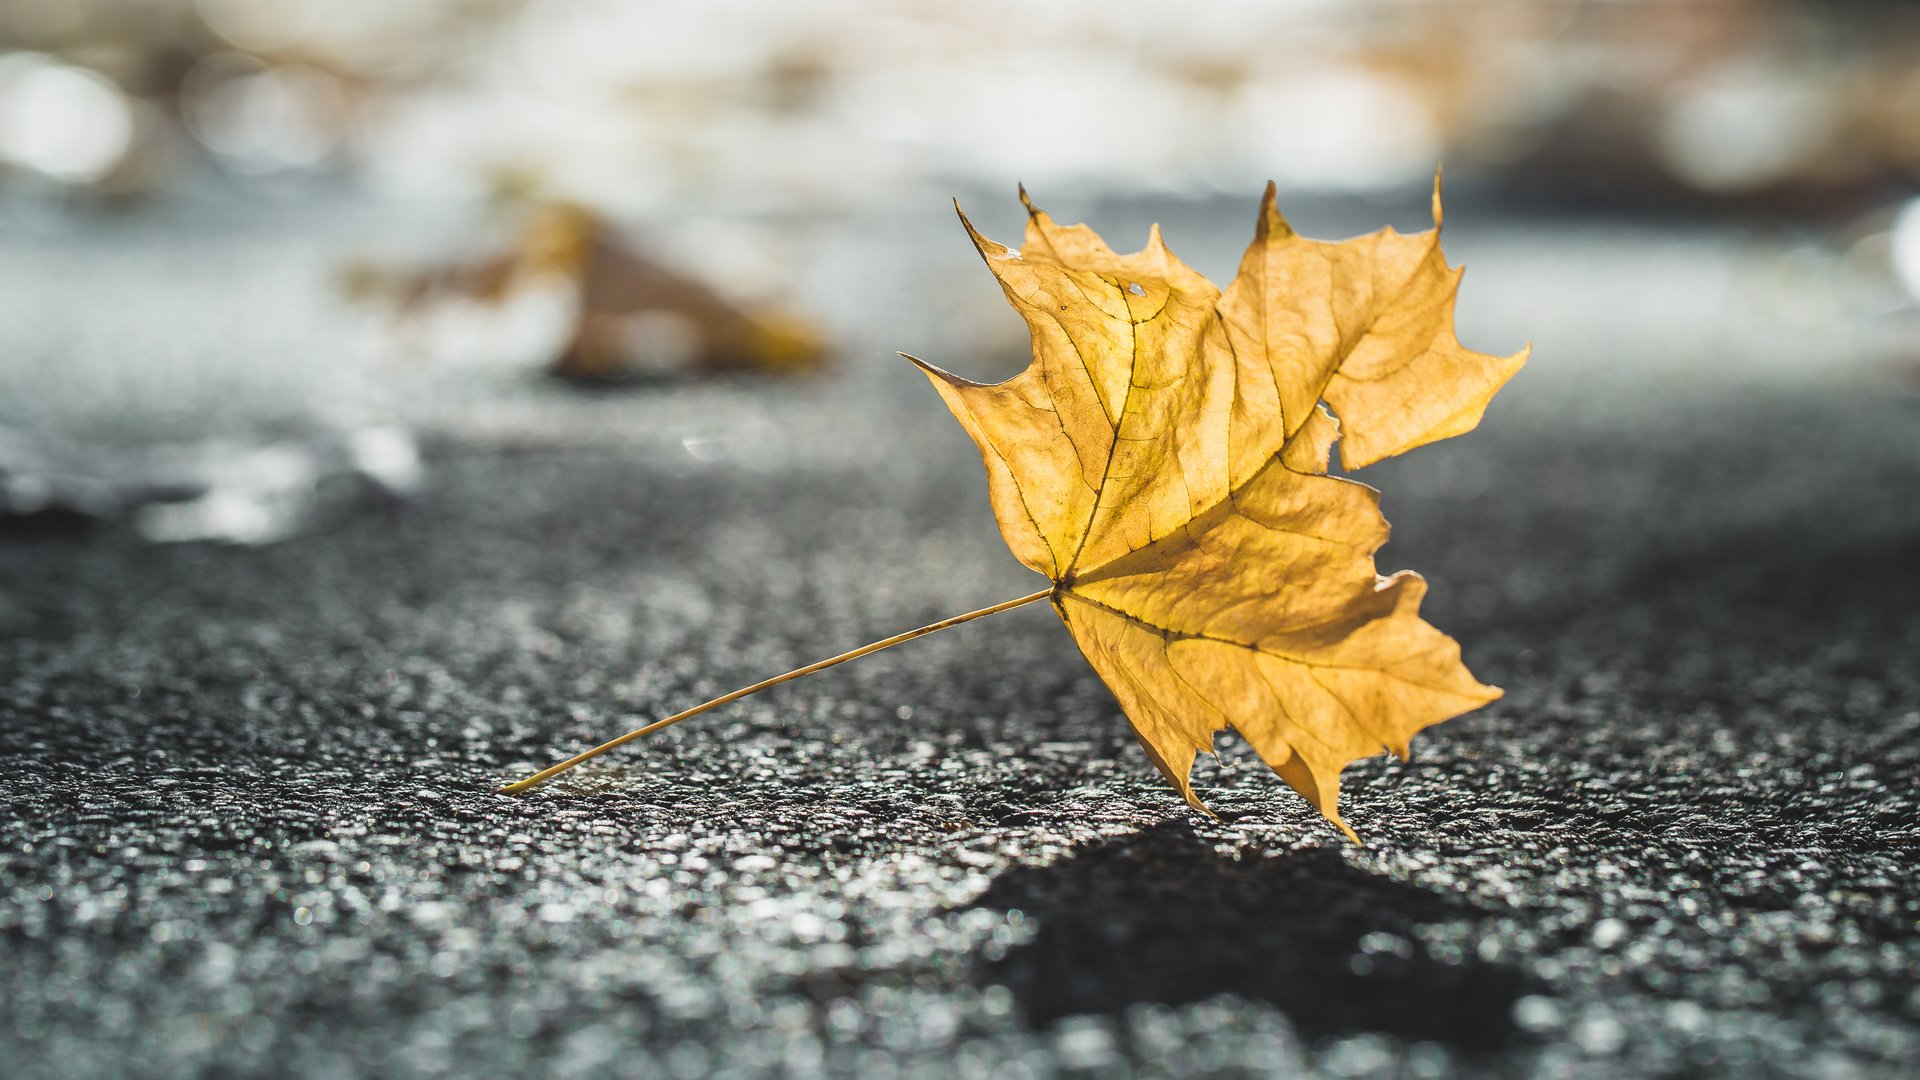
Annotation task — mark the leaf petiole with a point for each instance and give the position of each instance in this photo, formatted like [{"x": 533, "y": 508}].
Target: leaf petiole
[{"x": 550, "y": 772}]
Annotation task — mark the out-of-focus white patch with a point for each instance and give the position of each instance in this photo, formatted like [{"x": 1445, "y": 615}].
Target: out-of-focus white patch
[
  {"x": 262, "y": 119},
  {"x": 462, "y": 145},
  {"x": 1906, "y": 248},
  {"x": 389, "y": 457},
  {"x": 523, "y": 330},
  {"x": 1048, "y": 118},
  {"x": 1743, "y": 129},
  {"x": 701, "y": 448},
  {"x": 66, "y": 122},
  {"x": 237, "y": 493},
  {"x": 263, "y": 27},
  {"x": 1338, "y": 128},
  {"x": 252, "y": 496}
]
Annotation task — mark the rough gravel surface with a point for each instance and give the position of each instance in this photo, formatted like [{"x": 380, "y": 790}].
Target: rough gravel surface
[{"x": 248, "y": 823}]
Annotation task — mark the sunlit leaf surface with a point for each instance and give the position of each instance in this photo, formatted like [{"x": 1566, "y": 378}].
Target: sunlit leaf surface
[{"x": 1164, "y": 461}]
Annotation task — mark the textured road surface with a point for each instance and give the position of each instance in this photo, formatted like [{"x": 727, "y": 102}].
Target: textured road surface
[{"x": 248, "y": 826}]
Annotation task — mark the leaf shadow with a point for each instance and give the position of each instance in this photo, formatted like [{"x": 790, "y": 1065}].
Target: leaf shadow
[{"x": 1161, "y": 918}]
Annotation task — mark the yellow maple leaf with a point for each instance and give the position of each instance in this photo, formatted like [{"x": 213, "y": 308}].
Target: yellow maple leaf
[{"x": 1163, "y": 461}]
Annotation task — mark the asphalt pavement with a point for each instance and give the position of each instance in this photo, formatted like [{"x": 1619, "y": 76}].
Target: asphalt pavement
[{"x": 249, "y": 825}]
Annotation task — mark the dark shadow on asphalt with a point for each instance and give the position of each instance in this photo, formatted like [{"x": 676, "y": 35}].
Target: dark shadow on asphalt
[{"x": 1161, "y": 918}]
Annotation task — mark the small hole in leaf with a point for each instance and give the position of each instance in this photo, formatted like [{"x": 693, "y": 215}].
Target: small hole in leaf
[{"x": 1136, "y": 290}]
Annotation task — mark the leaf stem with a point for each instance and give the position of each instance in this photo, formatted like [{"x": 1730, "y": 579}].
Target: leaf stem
[{"x": 550, "y": 772}]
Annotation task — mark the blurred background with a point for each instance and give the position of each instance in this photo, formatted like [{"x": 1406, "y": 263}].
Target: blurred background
[
  {"x": 481, "y": 171},
  {"x": 398, "y": 394},
  {"x": 749, "y": 107},
  {"x": 317, "y": 229}
]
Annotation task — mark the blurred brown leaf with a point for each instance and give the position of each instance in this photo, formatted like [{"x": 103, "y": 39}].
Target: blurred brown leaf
[{"x": 634, "y": 316}]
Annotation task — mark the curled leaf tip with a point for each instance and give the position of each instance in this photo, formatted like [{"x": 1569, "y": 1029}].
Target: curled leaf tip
[
  {"x": 1270, "y": 224},
  {"x": 988, "y": 249}
]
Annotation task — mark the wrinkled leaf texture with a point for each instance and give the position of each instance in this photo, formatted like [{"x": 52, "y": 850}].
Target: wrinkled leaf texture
[{"x": 1164, "y": 461}]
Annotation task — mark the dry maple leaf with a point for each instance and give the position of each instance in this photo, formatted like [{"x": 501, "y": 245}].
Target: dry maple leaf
[
  {"x": 633, "y": 315},
  {"x": 1163, "y": 461}
]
